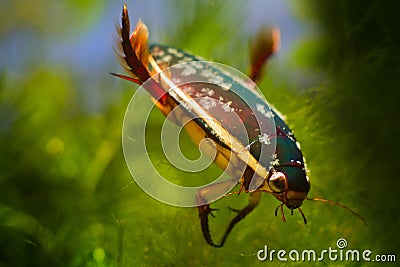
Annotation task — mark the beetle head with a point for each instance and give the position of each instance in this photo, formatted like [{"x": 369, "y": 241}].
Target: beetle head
[{"x": 289, "y": 184}]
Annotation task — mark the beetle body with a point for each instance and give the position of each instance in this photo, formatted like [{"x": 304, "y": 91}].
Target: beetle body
[
  {"x": 283, "y": 174},
  {"x": 255, "y": 113}
]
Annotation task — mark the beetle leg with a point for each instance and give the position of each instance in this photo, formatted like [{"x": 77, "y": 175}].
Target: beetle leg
[
  {"x": 265, "y": 43},
  {"x": 254, "y": 199},
  {"x": 204, "y": 210},
  {"x": 204, "y": 196}
]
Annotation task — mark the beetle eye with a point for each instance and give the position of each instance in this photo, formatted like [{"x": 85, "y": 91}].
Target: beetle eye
[{"x": 277, "y": 182}]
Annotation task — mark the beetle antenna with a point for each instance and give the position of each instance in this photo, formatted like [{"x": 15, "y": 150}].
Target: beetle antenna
[
  {"x": 283, "y": 214},
  {"x": 340, "y": 205},
  {"x": 302, "y": 215}
]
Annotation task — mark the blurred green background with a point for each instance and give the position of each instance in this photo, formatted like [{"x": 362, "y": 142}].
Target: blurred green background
[{"x": 66, "y": 196}]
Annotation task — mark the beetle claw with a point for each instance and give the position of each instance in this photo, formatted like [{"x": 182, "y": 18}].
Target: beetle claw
[
  {"x": 233, "y": 209},
  {"x": 204, "y": 211},
  {"x": 210, "y": 211}
]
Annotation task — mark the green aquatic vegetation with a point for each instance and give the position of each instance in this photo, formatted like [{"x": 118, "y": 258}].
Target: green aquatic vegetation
[{"x": 67, "y": 198}]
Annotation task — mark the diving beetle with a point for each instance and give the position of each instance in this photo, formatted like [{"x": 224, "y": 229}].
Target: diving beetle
[{"x": 284, "y": 175}]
